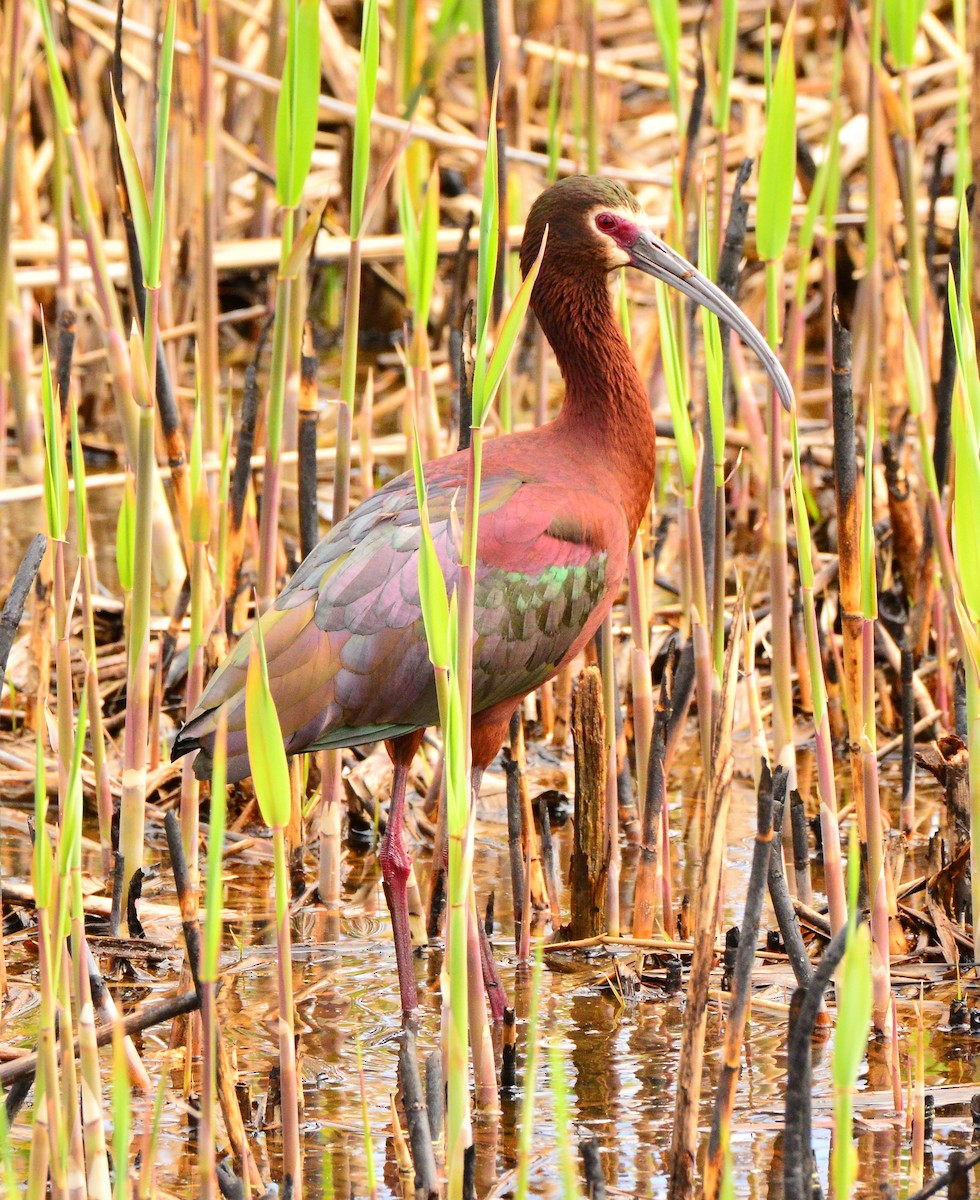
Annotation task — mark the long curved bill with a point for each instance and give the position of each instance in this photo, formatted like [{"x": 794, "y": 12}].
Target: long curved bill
[{"x": 650, "y": 254}]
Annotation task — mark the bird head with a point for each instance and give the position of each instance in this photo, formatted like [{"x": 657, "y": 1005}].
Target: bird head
[{"x": 595, "y": 226}]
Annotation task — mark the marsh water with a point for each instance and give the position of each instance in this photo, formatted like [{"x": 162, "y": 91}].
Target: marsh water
[{"x": 618, "y": 1051}]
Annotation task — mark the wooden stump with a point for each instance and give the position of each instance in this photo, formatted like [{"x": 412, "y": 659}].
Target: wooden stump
[{"x": 590, "y": 853}]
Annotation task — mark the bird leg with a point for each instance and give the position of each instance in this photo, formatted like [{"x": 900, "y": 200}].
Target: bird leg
[{"x": 395, "y": 868}]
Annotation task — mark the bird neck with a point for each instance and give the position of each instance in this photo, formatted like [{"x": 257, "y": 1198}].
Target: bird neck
[{"x": 606, "y": 405}]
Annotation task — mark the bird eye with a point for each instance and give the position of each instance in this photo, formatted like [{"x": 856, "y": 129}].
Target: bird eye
[{"x": 606, "y": 222}]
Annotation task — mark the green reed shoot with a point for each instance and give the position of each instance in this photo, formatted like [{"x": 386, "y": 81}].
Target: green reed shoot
[
  {"x": 49, "y": 1116},
  {"x": 714, "y": 371},
  {"x": 902, "y": 19},
  {"x": 56, "y": 511},
  {"x": 270, "y": 775},
  {"x": 966, "y": 544},
  {"x": 667, "y": 26},
  {"x": 962, "y": 172},
  {"x": 121, "y": 1114},
  {"x": 774, "y": 213},
  {"x": 296, "y": 126},
  {"x": 850, "y": 1031},
  {"x": 87, "y": 570},
  {"x": 563, "y": 1123},
  {"x": 529, "y": 1100},
  {"x": 366, "y": 87}
]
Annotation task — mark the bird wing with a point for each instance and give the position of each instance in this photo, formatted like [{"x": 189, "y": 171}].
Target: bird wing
[{"x": 345, "y": 640}]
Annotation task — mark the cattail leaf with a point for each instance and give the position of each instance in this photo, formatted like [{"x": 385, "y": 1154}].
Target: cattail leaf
[
  {"x": 673, "y": 377},
  {"x": 850, "y": 1045},
  {"x": 153, "y": 262},
  {"x": 266, "y": 753},
  {"x": 853, "y": 1008},
  {"x": 902, "y": 19},
  {"x": 727, "y": 43},
  {"x": 714, "y": 360},
  {"x": 78, "y": 476},
  {"x": 43, "y": 866},
  {"x": 55, "y": 466},
  {"x": 510, "y": 327},
  {"x": 432, "y": 582},
  {"x": 869, "y": 575},
  {"x": 126, "y": 535},
  {"x": 410, "y": 232},
  {"x": 70, "y": 838},
  {"x": 366, "y": 86},
  {"x": 966, "y": 498},
  {"x": 200, "y": 500},
  {"x": 487, "y": 260},
  {"x": 299, "y": 98},
  {"x": 56, "y": 79},
  {"x": 428, "y": 249},
  {"x": 299, "y": 251},
  {"x": 667, "y": 26},
  {"x": 138, "y": 205},
  {"x": 800, "y": 517},
  {"x": 777, "y": 173}
]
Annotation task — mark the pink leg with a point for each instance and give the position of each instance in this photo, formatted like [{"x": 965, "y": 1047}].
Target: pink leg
[{"x": 395, "y": 867}]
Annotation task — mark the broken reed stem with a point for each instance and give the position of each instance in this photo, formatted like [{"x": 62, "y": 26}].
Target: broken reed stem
[
  {"x": 807, "y": 1004},
  {"x": 691, "y": 1055},
  {"x": 741, "y": 992},
  {"x": 272, "y": 475},
  {"x": 309, "y": 521},
  {"x": 610, "y": 707},
  {"x": 782, "y": 902},
  {"x": 240, "y": 484},
  {"x": 908, "y": 742},
  {"x": 648, "y": 909},
  {"x": 589, "y": 867},
  {"x": 417, "y": 1116}
]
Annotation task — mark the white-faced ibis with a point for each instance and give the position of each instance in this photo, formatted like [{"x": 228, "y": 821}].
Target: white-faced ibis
[{"x": 559, "y": 508}]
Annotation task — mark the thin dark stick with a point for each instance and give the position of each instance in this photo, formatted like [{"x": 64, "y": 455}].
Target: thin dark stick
[
  {"x": 741, "y": 981},
  {"x": 144, "y": 1018},
  {"x": 13, "y": 608},
  {"x": 935, "y": 190},
  {"x": 508, "y": 1052},
  {"x": 779, "y": 892},
  {"x": 65, "y": 352},
  {"x": 801, "y": 847},
  {"x": 807, "y": 1002},
  {"x": 246, "y": 442},
  {"x": 417, "y": 1116},
  {"x": 514, "y": 851},
  {"x": 908, "y": 739}
]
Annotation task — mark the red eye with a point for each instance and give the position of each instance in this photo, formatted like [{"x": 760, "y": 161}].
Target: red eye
[{"x": 606, "y": 222}]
